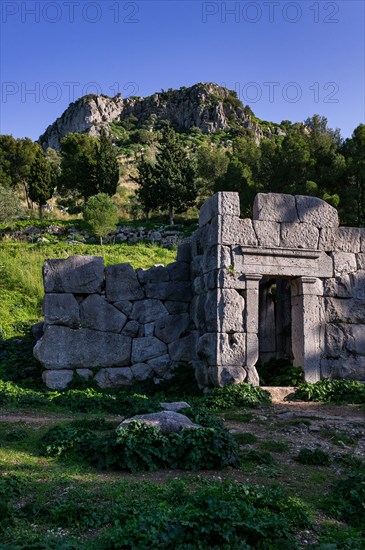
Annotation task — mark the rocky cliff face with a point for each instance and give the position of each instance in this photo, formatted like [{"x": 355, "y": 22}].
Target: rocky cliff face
[{"x": 208, "y": 107}]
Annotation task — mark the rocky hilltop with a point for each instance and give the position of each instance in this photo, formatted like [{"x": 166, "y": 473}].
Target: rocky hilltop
[{"x": 208, "y": 107}]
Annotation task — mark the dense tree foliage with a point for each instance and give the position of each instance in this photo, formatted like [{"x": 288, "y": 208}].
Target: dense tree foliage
[
  {"x": 101, "y": 214},
  {"x": 170, "y": 183},
  {"x": 40, "y": 181}
]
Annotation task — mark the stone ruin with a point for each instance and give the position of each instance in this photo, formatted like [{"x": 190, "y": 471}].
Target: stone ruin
[{"x": 289, "y": 284}]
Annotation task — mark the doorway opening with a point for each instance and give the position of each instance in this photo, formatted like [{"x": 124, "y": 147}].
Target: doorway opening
[{"x": 275, "y": 321}]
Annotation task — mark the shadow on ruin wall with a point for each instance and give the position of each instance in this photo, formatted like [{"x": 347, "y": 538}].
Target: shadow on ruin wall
[{"x": 118, "y": 325}]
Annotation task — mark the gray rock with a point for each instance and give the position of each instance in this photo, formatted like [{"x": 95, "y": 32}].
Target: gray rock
[
  {"x": 97, "y": 314},
  {"x": 180, "y": 307},
  {"x": 166, "y": 421},
  {"x": 125, "y": 306},
  {"x": 224, "y": 203},
  {"x": 142, "y": 371},
  {"x": 146, "y": 311},
  {"x": 175, "y": 406},
  {"x": 114, "y": 377},
  {"x": 179, "y": 291},
  {"x": 171, "y": 327},
  {"x": 61, "y": 309},
  {"x": 155, "y": 274},
  {"x": 76, "y": 274},
  {"x": 37, "y": 330},
  {"x": 183, "y": 349},
  {"x": 147, "y": 348},
  {"x": 184, "y": 253},
  {"x": 179, "y": 271},
  {"x": 57, "y": 379},
  {"x": 131, "y": 329},
  {"x": 222, "y": 376},
  {"x": 207, "y": 348},
  {"x": 299, "y": 235},
  {"x": 149, "y": 329},
  {"x": 65, "y": 348},
  {"x": 268, "y": 233},
  {"x": 160, "y": 365},
  {"x": 122, "y": 283},
  {"x": 316, "y": 212},
  {"x": 275, "y": 207}
]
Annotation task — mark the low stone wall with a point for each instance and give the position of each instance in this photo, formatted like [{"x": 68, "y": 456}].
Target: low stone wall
[
  {"x": 114, "y": 324},
  {"x": 214, "y": 308}
]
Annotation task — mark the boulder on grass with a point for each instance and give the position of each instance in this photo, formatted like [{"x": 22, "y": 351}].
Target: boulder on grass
[{"x": 165, "y": 421}]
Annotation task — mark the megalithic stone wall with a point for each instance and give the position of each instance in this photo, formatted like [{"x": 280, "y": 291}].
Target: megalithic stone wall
[{"x": 118, "y": 325}]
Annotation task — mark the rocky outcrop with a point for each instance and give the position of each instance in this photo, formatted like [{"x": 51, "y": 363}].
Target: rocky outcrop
[{"x": 208, "y": 107}]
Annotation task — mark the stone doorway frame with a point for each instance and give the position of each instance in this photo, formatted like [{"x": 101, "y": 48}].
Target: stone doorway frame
[{"x": 306, "y": 323}]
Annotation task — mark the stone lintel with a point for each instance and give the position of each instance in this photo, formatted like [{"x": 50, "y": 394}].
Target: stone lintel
[{"x": 282, "y": 262}]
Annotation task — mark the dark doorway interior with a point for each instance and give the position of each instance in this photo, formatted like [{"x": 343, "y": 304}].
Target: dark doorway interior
[{"x": 275, "y": 320}]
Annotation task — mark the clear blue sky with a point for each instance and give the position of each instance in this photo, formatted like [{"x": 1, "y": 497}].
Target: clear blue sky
[{"x": 271, "y": 52}]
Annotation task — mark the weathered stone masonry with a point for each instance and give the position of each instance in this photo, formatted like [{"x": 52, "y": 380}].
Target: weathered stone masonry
[{"x": 288, "y": 284}]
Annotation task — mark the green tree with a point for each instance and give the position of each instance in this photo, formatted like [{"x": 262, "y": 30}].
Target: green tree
[
  {"x": 101, "y": 214},
  {"x": 238, "y": 178},
  {"x": 16, "y": 157},
  {"x": 107, "y": 166},
  {"x": 40, "y": 181},
  {"x": 148, "y": 188},
  {"x": 175, "y": 173},
  {"x": 10, "y": 207},
  {"x": 211, "y": 165},
  {"x": 353, "y": 194},
  {"x": 78, "y": 166}
]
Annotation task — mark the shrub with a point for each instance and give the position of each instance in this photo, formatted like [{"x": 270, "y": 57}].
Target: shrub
[
  {"x": 245, "y": 438},
  {"x": 346, "y": 501},
  {"x": 16, "y": 434},
  {"x": 235, "y": 396},
  {"x": 225, "y": 515},
  {"x": 138, "y": 447},
  {"x": 333, "y": 391},
  {"x": 278, "y": 372},
  {"x": 315, "y": 457},
  {"x": 258, "y": 457}
]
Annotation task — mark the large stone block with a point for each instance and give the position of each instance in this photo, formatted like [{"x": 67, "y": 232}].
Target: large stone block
[
  {"x": 207, "y": 348},
  {"x": 180, "y": 291},
  {"x": 281, "y": 262},
  {"x": 222, "y": 376},
  {"x": 334, "y": 340},
  {"x": 155, "y": 274},
  {"x": 61, "y": 309},
  {"x": 76, "y": 274},
  {"x": 340, "y": 310},
  {"x": 223, "y": 203},
  {"x": 146, "y": 311},
  {"x": 275, "y": 207},
  {"x": 65, "y": 348},
  {"x": 184, "y": 349},
  {"x": 344, "y": 262},
  {"x": 356, "y": 339},
  {"x": 358, "y": 285},
  {"x": 231, "y": 349},
  {"x": 346, "y": 368},
  {"x": 114, "y": 378},
  {"x": 171, "y": 327},
  {"x": 184, "y": 253},
  {"x": 160, "y": 365},
  {"x": 131, "y": 329},
  {"x": 147, "y": 348},
  {"x": 338, "y": 287},
  {"x": 316, "y": 212},
  {"x": 142, "y": 371},
  {"x": 98, "y": 314},
  {"x": 216, "y": 257},
  {"x": 267, "y": 233},
  {"x": 176, "y": 307},
  {"x": 122, "y": 283},
  {"x": 57, "y": 379},
  {"x": 341, "y": 239},
  {"x": 232, "y": 230},
  {"x": 299, "y": 235},
  {"x": 230, "y": 311},
  {"x": 125, "y": 306},
  {"x": 197, "y": 312},
  {"x": 179, "y": 271}
]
